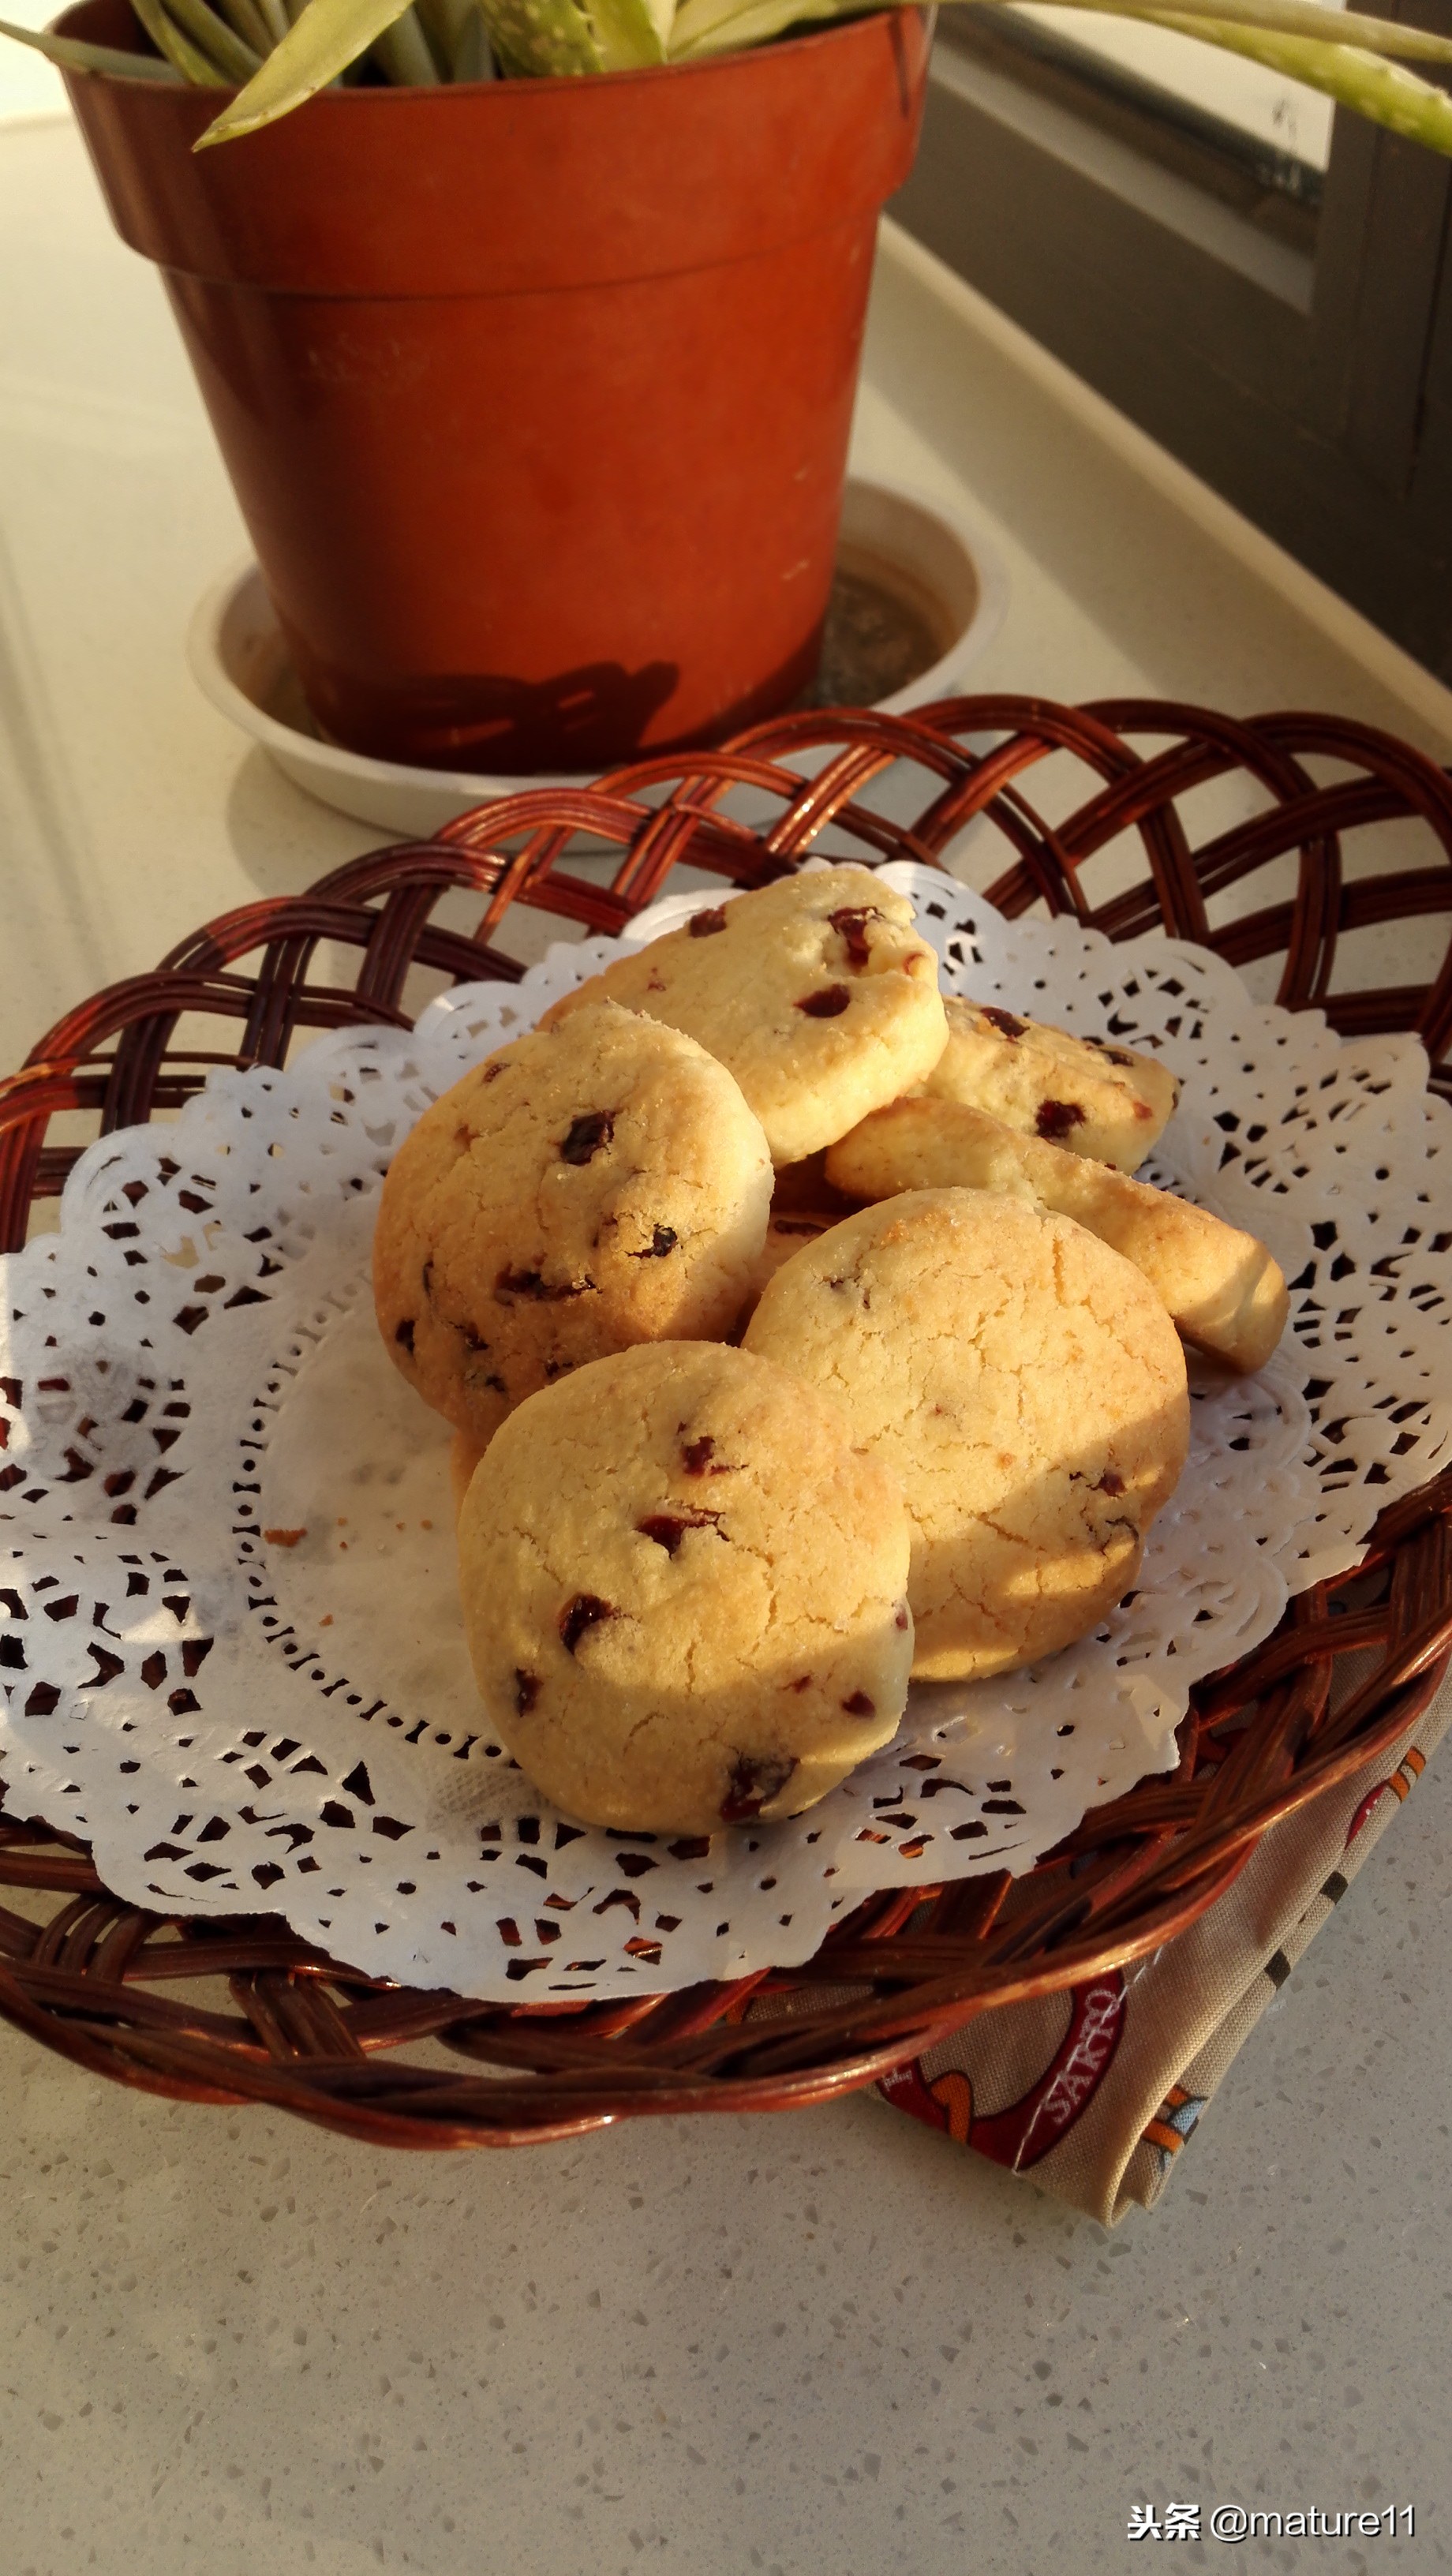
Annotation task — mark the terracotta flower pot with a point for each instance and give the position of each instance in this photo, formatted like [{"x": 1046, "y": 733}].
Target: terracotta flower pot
[{"x": 535, "y": 394}]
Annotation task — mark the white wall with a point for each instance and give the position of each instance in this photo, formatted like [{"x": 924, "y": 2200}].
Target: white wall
[{"x": 29, "y": 86}]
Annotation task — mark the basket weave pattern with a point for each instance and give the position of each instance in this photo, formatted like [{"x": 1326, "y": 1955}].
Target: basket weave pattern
[{"x": 115, "y": 1988}]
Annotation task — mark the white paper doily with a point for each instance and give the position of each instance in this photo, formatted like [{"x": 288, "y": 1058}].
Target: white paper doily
[{"x": 237, "y": 1722}]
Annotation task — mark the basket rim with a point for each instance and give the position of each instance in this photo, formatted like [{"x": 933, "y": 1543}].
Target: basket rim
[{"x": 318, "y": 2039}]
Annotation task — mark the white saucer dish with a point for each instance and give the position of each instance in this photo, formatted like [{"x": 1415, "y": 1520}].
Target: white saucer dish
[{"x": 920, "y": 550}]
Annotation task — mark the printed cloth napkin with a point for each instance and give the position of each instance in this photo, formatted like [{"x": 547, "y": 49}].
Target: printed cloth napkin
[{"x": 1094, "y": 2092}]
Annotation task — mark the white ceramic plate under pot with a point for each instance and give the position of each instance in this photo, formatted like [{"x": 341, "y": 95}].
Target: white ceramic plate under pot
[{"x": 920, "y": 550}]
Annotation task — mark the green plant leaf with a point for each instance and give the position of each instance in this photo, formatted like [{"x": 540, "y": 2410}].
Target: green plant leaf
[
  {"x": 221, "y": 44},
  {"x": 322, "y": 42},
  {"x": 539, "y": 38},
  {"x": 71, "y": 54},
  {"x": 178, "y": 47},
  {"x": 626, "y": 34},
  {"x": 404, "y": 53},
  {"x": 245, "y": 19},
  {"x": 444, "y": 23},
  {"x": 1377, "y": 89},
  {"x": 1290, "y": 18},
  {"x": 725, "y": 26},
  {"x": 473, "y": 60}
]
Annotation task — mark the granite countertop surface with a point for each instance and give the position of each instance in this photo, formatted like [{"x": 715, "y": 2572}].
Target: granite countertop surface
[{"x": 794, "y": 2343}]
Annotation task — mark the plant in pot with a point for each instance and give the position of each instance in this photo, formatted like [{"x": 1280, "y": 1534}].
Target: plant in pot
[{"x": 531, "y": 343}]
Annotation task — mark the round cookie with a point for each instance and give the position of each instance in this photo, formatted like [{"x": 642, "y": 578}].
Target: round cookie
[
  {"x": 1221, "y": 1288},
  {"x": 683, "y": 1590},
  {"x": 583, "y": 1190},
  {"x": 817, "y": 992},
  {"x": 1025, "y": 1385},
  {"x": 1110, "y": 1103}
]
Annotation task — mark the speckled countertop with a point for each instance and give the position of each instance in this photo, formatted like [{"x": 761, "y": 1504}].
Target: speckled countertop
[{"x": 824, "y": 2341}]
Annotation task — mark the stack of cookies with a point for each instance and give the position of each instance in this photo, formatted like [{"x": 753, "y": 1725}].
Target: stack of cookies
[{"x": 802, "y": 1330}]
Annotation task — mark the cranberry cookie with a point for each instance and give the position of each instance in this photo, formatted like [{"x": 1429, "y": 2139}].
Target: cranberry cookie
[
  {"x": 583, "y": 1190},
  {"x": 1108, "y": 1102},
  {"x": 1026, "y": 1387},
  {"x": 816, "y": 992},
  {"x": 1221, "y": 1288},
  {"x": 683, "y": 1586}
]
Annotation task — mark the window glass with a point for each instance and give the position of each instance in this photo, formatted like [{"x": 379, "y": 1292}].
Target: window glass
[{"x": 1261, "y": 103}]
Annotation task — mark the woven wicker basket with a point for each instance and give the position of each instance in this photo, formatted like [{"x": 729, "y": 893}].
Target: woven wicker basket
[{"x": 143, "y": 1999}]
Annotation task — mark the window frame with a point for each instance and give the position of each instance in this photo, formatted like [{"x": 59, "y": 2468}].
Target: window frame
[{"x": 1312, "y": 388}]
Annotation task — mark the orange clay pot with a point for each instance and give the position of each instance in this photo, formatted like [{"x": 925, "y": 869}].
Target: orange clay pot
[{"x": 535, "y": 394}]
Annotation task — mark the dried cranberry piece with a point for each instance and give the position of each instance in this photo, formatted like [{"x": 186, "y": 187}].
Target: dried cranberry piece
[
  {"x": 404, "y": 1335},
  {"x": 669, "y": 1528},
  {"x": 1111, "y": 1482},
  {"x": 850, "y": 924},
  {"x": 526, "y": 1692},
  {"x": 664, "y": 1241},
  {"x": 703, "y": 924},
  {"x": 587, "y": 1135},
  {"x": 578, "y": 1616},
  {"x": 699, "y": 1458},
  {"x": 755, "y": 1779},
  {"x": 531, "y": 1283},
  {"x": 1056, "y": 1117},
  {"x": 901, "y": 1619},
  {"x": 826, "y": 1005},
  {"x": 1004, "y": 1021},
  {"x": 859, "y": 1705}
]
